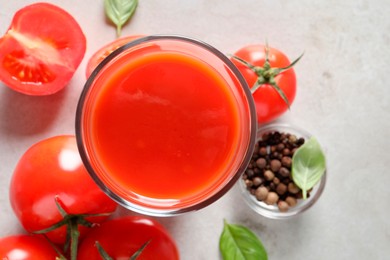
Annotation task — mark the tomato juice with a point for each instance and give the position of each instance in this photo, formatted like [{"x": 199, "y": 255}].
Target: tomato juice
[{"x": 165, "y": 126}]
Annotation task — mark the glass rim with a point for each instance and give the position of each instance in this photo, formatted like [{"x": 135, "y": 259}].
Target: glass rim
[{"x": 161, "y": 212}]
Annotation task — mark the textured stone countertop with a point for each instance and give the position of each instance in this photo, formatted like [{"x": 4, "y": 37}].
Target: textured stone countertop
[{"x": 343, "y": 99}]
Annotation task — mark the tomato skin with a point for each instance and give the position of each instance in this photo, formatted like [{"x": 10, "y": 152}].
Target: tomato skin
[
  {"x": 122, "y": 237},
  {"x": 104, "y": 51},
  {"x": 41, "y": 50},
  {"x": 26, "y": 247},
  {"x": 269, "y": 104},
  {"x": 52, "y": 168}
]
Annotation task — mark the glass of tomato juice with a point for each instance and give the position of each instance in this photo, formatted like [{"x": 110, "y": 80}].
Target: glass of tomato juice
[{"x": 166, "y": 125}]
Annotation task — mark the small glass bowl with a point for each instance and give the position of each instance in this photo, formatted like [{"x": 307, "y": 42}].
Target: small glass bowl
[{"x": 272, "y": 211}]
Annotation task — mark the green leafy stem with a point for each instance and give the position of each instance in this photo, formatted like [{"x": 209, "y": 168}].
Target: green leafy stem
[
  {"x": 72, "y": 222},
  {"x": 119, "y": 12},
  {"x": 266, "y": 74}
]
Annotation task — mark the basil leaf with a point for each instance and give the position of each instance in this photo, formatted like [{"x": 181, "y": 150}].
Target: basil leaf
[
  {"x": 239, "y": 243},
  {"x": 120, "y": 11},
  {"x": 308, "y": 165}
]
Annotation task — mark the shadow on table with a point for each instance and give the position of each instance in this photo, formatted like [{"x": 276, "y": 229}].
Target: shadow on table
[{"x": 21, "y": 114}]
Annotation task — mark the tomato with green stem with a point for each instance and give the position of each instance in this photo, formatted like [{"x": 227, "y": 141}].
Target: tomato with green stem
[
  {"x": 41, "y": 50},
  {"x": 19, "y": 247},
  {"x": 52, "y": 191},
  {"x": 121, "y": 238},
  {"x": 271, "y": 77}
]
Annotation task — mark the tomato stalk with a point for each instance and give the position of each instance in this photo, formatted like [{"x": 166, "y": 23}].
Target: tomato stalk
[
  {"x": 71, "y": 221},
  {"x": 105, "y": 255},
  {"x": 60, "y": 255},
  {"x": 74, "y": 238},
  {"x": 102, "y": 252},
  {"x": 266, "y": 74},
  {"x": 139, "y": 251}
]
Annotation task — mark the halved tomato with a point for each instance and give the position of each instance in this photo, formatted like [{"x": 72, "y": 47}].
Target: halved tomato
[
  {"x": 106, "y": 50},
  {"x": 41, "y": 50}
]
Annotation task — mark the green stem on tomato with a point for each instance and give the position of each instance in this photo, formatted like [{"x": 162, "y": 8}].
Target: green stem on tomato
[
  {"x": 106, "y": 256},
  {"x": 60, "y": 255},
  {"x": 102, "y": 252},
  {"x": 139, "y": 251},
  {"x": 72, "y": 222},
  {"x": 74, "y": 238},
  {"x": 266, "y": 74}
]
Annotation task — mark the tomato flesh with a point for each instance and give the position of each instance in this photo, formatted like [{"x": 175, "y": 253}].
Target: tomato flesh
[
  {"x": 52, "y": 170},
  {"x": 41, "y": 50}
]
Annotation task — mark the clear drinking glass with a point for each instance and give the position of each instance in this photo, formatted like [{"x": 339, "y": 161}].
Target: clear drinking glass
[{"x": 166, "y": 125}]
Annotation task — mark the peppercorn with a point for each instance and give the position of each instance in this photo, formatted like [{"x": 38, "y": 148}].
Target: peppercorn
[
  {"x": 286, "y": 151},
  {"x": 280, "y": 147},
  {"x": 263, "y": 151},
  {"x": 283, "y": 206},
  {"x": 250, "y": 173},
  {"x": 284, "y": 172},
  {"x": 248, "y": 183},
  {"x": 291, "y": 201},
  {"x": 257, "y": 181},
  {"x": 261, "y": 193},
  {"x": 281, "y": 188},
  {"x": 300, "y": 141},
  {"x": 261, "y": 163},
  {"x": 275, "y": 165},
  {"x": 292, "y": 188},
  {"x": 286, "y": 161},
  {"x": 268, "y": 175},
  {"x": 292, "y": 139},
  {"x": 272, "y": 198}
]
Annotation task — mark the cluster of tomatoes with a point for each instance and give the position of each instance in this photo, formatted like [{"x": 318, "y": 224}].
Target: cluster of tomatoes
[{"x": 51, "y": 193}]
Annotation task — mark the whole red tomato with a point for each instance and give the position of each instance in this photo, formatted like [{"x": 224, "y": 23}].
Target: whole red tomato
[
  {"x": 41, "y": 50},
  {"x": 271, "y": 77},
  {"x": 106, "y": 50},
  {"x": 25, "y": 247},
  {"x": 50, "y": 171},
  {"x": 121, "y": 238}
]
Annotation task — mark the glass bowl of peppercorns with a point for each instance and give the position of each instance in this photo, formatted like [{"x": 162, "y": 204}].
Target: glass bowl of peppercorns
[{"x": 267, "y": 184}]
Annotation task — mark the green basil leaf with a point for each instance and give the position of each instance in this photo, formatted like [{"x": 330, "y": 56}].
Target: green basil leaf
[
  {"x": 120, "y": 11},
  {"x": 308, "y": 165},
  {"x": 239, "y": 243}
]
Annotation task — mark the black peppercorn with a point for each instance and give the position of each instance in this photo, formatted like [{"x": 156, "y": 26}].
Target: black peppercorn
[{"x": 268, "y": 176}]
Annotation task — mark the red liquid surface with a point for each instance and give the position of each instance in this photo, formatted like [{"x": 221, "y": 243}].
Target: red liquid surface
[{"x": 165, "y": 127}]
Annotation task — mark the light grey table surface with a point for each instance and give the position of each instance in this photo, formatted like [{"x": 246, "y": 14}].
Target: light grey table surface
[{"x": 343, "y": 98}]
